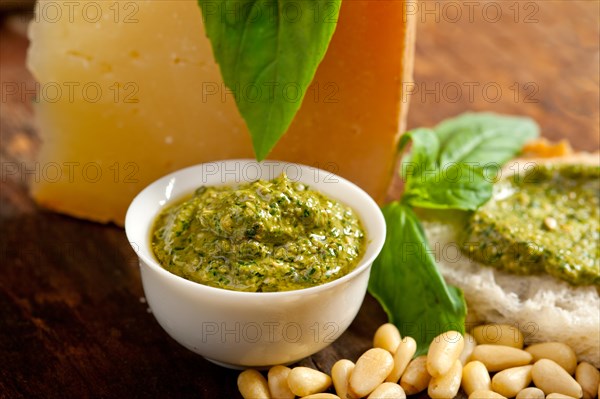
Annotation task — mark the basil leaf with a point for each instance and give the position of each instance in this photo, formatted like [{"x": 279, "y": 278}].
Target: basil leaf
[
  {"x": 484, "y": 138},
  {"x": 268, "y": 52},
  {"x": 450, "y": 165},
  {"x": 455, "y": 186},
  {"x": 423, "y": 154},
  {"x": 427, "y": 185},
  {"x": 406, "y": 282}
]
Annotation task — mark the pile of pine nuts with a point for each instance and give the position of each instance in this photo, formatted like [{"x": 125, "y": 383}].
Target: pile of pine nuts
[{"x": 388, "y": 371}]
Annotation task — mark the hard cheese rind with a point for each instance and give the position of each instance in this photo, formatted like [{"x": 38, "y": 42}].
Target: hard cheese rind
[{"x": 135, "y": 94}]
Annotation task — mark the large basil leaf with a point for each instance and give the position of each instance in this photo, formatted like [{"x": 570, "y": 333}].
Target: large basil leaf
[
  {"x": 406, "y": 282},
  {"x": 268, "y": 52}
]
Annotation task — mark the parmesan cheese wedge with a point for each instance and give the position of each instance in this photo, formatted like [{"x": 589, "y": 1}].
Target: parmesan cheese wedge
[{"x": 129, "y": 91}]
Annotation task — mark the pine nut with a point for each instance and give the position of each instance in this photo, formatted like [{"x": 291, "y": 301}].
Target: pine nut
[
  {"x": 497, "y": 357},
  {"x": 557, "y": 351},
  {"x": 498, "y": 334},
  {"x": 531, "y": 393},
  {"x": 555, "y": 395},
  {"x": 340, "y": 374},
  {"x": 252, "y": 385},
  {"x": 483, "y": 394},
  {"x": 304, "y": 381},
  {"x": 470, "y": 344},
  {"x": 444, "y": 350},
  {"x": 447, "y": 385},
  {"x": 277, "y": 379},
  {"x": 321, "y": 396},
  {"x": 370, "y": 371},
  {"x": 475, "y": 377},
  {"x": 588, "y": 377},
  {"x": 415, "y": 378},
  {"x": 406, "y": 350},
  {"x": 552, "y": 378},
  {"x": 388, "y": 390},
  {"x": 387, "y": 337},
  {"x": 511, "y": 381}
]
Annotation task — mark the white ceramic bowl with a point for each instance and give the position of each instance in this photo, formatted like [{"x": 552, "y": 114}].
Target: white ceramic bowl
[{"x": 242, "y": 329}]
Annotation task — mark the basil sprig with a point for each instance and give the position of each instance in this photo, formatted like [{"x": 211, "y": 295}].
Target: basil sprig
[
  {"x": 429, "y": 184},
  {"x": 444, "y": 169},
  {"x": 453, "y": 165},
  {"x": 268, "y": 52}
]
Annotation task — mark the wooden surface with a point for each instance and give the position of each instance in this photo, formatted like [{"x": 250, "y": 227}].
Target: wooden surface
[{"x": 73, "y": 320}]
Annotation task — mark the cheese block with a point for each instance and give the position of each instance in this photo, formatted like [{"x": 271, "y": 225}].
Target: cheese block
[{"x": 129, "y": 91}]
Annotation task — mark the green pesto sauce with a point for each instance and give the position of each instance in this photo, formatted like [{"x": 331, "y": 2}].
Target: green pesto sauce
[
  {"x": 263, "y": 236},
  {"x": 544, "y": 221}
]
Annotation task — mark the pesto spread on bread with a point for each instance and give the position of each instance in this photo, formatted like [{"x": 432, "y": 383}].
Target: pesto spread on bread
[{"x": 546, "y": 220}]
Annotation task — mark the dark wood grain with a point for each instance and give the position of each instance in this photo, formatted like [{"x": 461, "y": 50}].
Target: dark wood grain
[{"x": 73, "y": 320}]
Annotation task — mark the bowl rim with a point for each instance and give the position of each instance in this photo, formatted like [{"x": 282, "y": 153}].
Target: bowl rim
[{"x": 376, "y": 240}]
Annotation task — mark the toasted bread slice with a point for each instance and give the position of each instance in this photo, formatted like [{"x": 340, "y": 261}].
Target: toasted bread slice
[{"x": 543, "y": 307}]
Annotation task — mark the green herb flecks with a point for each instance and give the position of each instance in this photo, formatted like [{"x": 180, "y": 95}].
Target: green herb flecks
[
  {"x": 262, "y": 236},
  {"x": 546, "y": 220}
]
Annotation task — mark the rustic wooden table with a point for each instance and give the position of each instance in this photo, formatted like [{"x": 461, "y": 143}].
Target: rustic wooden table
[{"x": 73, "y": 321}]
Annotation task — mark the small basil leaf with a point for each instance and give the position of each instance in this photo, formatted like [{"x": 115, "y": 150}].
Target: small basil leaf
[
  {"x": 423, "y": 153},
  {"x": 406, "y": 282},
  {"x": 484, "y": 138},
  {"x": 268, "y": 52},
  {"x": 455, "y": 186}
]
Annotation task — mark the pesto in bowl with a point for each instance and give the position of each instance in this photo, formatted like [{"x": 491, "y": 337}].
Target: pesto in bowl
[{"x": 262, "y": 236}]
